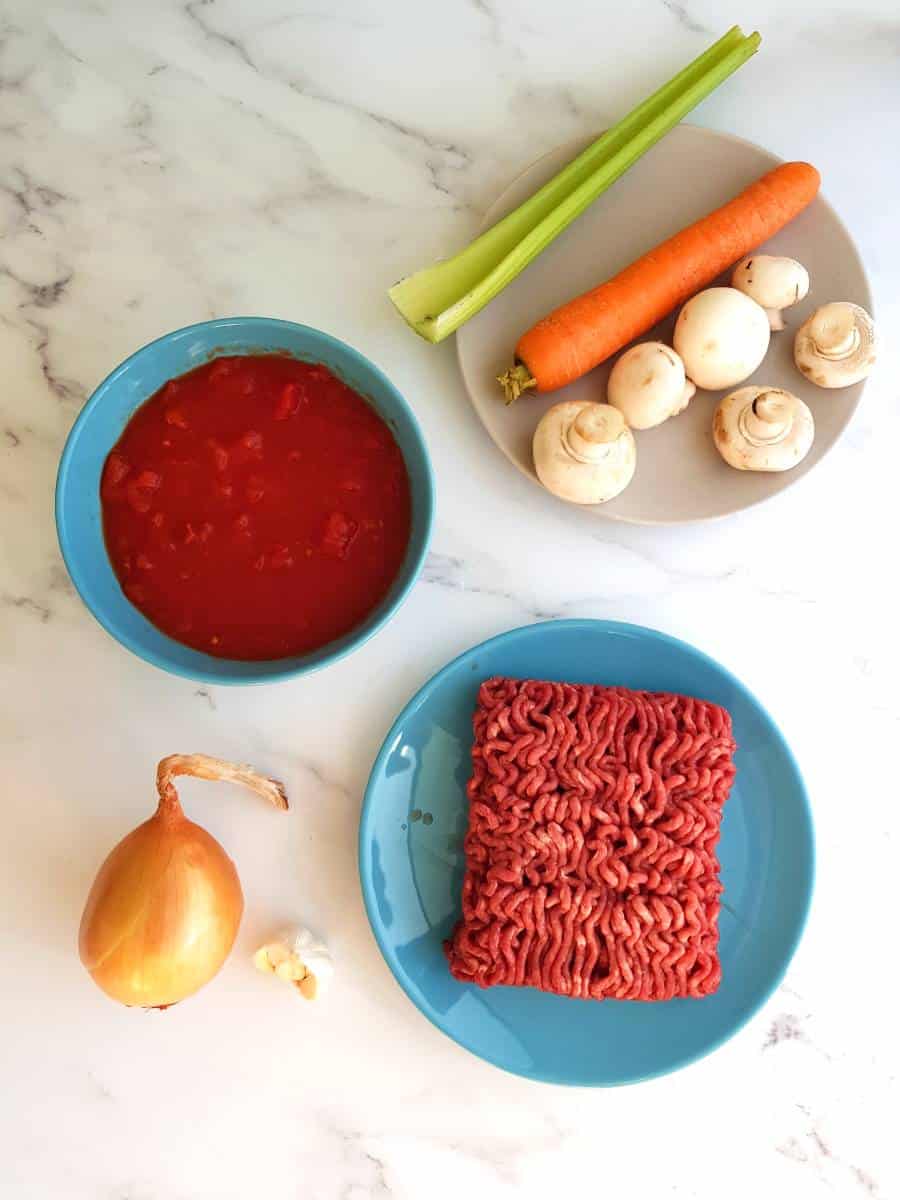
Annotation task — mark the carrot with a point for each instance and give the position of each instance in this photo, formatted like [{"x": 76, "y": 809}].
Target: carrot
[{"x": 581, "y": 334}]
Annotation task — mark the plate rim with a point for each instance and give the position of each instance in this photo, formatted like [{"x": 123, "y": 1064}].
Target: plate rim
[
  {"x": 599, "y": 510},
  {"x": 602, "y": 627}
]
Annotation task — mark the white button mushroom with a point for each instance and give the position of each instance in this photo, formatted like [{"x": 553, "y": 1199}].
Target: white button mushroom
[
  {"x": 722, "y": 336},
  {"x": 837, "y": 346},
  {"x": 648, "y": 385},
  {"x": 775, "y": 283},
  {"x": 583, "y": 451},
  {"x": 763, "y": 429}
]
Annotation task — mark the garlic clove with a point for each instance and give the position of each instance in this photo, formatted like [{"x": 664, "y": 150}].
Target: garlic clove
[
  {"x": 262, "y": 962},
  {"x": 298, "y": 957},
  {"x": 291, "y": 969}
]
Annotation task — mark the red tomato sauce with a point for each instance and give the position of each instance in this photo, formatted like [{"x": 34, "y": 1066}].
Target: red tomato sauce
[{"x": 256, "y": 508}]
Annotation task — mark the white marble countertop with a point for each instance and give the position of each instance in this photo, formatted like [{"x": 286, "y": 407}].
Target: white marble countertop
[{"x": 164, "y": 163}]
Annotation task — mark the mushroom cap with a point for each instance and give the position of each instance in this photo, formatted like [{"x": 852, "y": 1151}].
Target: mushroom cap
[
  {"x": 648, "y": 385},
  {"x": 763, "y": 429},
  {"x": 583, "y": 451},
  {"x": 773, "y": 282},
  {"x": 837, "y": 346},
  {"x": 722, "y": 337}
]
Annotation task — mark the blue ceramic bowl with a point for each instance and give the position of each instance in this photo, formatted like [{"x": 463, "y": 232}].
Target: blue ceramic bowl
[
  {"x": 411, "y": 862},
  {"x": 101, "y": 421}
]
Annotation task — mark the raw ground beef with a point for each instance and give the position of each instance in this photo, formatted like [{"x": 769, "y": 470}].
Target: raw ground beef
[{"x": 591, "y": 866}]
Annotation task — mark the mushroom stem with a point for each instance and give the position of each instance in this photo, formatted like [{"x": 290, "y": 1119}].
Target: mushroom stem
[
  {"x": 768, "y": 419},
  {"x": 834, "y": 332},
  {"x": 776, "y": 324},
  {"x": 593, "y": 432},
  {"x": 515, "y": 381},
  {"x": 687, "y": 394}
]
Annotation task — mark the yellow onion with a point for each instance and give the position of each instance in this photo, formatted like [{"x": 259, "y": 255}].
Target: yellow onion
[{"x": 164, "y": 910}]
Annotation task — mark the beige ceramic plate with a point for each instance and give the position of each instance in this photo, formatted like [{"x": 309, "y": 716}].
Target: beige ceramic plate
[{"x": 679, "y": 476}]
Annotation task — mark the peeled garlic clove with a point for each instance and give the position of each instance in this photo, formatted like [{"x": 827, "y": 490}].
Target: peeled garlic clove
[
  {"x": 262, "y": 962},
  {"x": 298, "y": 957},
  {"x": 291, "y": 969}
]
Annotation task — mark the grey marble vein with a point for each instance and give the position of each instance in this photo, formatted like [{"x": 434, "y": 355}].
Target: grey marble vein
[
  {"x": 786, "y": 1027},
  {"x": 450, "y": 155},
  {"x": 195, "y": 11},
  {"x": 26, "y": 604},
  {"x": 685, "y": 18},
  {"x": 41, "y": 295},
  {"x": 66, "y": 390}
]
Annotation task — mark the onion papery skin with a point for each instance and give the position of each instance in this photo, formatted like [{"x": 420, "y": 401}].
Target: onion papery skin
[{"x": 163, "y": 913}]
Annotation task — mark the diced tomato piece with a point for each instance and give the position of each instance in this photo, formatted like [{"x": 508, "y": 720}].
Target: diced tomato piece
[
  {"x": 219, "y": 454},
  {"x": 222, "y": 368},
  {"x": 351, "y": 485},
  {"x": 256, "y": 489},
  {"x": 259, "y": 564},
  {"x": 242, "y": 523},
  {"x": 150, "y": 480},
  {"x": 115, "y": 470},
  {"x": 144, "y": 563},
  {"x": 281, "y": 557},
  {"x": 340, "y": 530},
  {"x": 135, "y": 592},
  {"x": 175, "y": 416},
  {"x": 289, "y": 400},
  {"x": 141, "y": 490},
  {"x": 252, "y": 440},
  {"x": 157, "y": 520}
]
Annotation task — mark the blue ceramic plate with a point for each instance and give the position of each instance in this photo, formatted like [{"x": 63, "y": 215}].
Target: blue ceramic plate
[
  {"x": 411, "y": 863},
  {"x": 101, "y": 421}
]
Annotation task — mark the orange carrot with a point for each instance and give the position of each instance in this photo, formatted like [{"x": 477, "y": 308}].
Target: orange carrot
[{"x": 581, "y": 334}]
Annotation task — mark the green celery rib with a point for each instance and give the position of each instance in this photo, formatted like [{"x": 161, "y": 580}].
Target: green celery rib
[{"x": 437, "y": 300}]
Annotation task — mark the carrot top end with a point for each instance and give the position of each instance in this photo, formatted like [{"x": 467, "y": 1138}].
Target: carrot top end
[{"x": 515, "y": 381}]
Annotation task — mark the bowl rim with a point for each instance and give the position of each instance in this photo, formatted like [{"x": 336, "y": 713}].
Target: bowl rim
[
  {"x": 263, "y": 670},
  {"x": 421, "y": 696}
]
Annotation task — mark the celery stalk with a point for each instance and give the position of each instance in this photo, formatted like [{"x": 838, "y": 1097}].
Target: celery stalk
[{"x": 437, "y": 300}]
